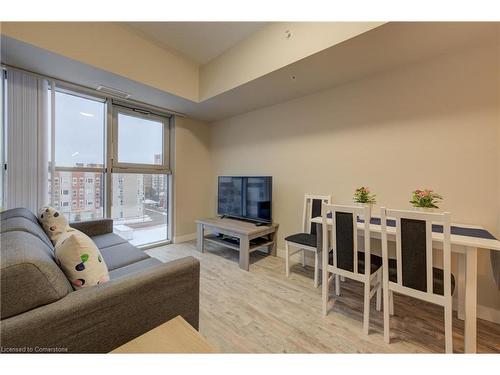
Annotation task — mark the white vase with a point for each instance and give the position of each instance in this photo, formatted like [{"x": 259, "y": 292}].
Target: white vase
[
  {"x": 425, "y": 209},
  {"x": 369, "y": 205},
  {"x": 364, "y": 204}
]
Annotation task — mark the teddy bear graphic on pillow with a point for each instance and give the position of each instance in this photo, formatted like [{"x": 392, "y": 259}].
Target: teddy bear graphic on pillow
[
  {"x": 75, "y": 252},
  {"x": 53, "y": 223}
]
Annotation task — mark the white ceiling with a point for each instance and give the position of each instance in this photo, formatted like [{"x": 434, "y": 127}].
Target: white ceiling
[{"x": 198, "y": 41}]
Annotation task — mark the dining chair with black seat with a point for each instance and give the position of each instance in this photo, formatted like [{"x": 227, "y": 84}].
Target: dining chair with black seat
[
  {"x": 412, "y": 273},
  {"x": 306, "y": 240},
  {"x": 346, "y": 258}
]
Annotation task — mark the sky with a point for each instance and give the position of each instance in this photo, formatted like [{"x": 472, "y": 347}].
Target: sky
[{"x": 80, "y": 134}]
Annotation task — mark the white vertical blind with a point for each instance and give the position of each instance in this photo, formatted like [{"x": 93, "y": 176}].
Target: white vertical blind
[{"x": 26, "y": 141}]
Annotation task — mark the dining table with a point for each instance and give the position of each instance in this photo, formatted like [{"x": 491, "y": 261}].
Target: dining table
[{"x": 466, "y": 241}]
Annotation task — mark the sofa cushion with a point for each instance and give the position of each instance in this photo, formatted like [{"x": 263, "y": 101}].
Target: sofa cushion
[
  {"x": 23, "y": 224},
  {"x": 94, "y": 227},
  {"x": 106, "y": 240},
  {"x": 133, "y": 268},
  {"x": 19, "y": 212},
  {"x": 80, "y": 260},
  {"x": 29, "y": 275},
  {"x": 122, "y": 255}
]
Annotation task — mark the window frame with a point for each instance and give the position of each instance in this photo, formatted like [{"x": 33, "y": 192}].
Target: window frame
[
  {"x": 3, "y": 129},
  {"x": 54, "y": 168},
  {"x": 111, "y": 165},
  {"x": 120, "y": 167}
]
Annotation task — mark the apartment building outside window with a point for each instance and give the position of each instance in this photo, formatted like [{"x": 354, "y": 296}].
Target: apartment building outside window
[{"x": 128, "y": 182}]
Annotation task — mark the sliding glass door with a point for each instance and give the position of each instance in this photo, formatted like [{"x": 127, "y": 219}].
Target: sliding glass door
[{"x": 108, "y": 160}]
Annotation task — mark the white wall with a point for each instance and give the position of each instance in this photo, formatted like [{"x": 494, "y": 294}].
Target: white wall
[
  {"x": 433, "y": 124},
  {"x": 192, "y": 173}
]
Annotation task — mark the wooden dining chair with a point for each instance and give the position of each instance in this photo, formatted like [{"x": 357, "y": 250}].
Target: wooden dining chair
[
  {"x": 412, "y": 272},
  {"x": 346, "y": 258},
  {"x": 306, "y": 240}
]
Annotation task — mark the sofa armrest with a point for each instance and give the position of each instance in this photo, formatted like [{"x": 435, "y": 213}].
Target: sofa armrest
[
  {"x": 94, "y": 227},
  {"x": 101, "y": 318}
]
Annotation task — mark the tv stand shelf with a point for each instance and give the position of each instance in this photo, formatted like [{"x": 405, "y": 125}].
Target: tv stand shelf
[
  {"x": 235, "y": 244},
  {"x": 240, "y": 235}
]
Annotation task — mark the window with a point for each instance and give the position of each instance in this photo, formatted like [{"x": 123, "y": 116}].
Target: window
[
  {"x": 140, "y": 140},
  {"x": 133, "y": 188},
  {"x": 141, "y": 176},
  {"x": 79, "y": 131},
  {"x": 78, "y": 149},
  {"x": 140, "y": 209}
]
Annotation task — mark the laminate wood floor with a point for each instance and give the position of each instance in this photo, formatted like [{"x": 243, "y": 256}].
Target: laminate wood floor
[{"x": 262, "y": 311}]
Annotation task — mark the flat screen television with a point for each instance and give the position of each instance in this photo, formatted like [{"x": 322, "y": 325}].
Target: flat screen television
[{"x": 245, "y": 197}]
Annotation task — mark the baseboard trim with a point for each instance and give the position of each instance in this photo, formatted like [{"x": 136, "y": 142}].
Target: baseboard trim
[
  {"x": 185, "y": 238},
  {"x": 489, "y": 314},
  {"x": 483, "y": 312}
]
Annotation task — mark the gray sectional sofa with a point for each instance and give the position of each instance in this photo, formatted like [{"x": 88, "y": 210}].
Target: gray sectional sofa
[{"x": 40, "y": 311}]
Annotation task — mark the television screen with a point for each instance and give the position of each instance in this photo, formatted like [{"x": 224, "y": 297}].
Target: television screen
[{"x": 245, "y": 197}]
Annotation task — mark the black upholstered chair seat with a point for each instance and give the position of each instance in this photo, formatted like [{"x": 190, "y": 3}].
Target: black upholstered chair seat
[
  {"x": 376, "y": 262},
  {"x": 305, "y": 239},
  {"x": 437, "y": 277}
]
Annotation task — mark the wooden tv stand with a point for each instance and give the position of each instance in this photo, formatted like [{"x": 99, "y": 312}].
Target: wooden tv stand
[{"x": 243, "y": 236}]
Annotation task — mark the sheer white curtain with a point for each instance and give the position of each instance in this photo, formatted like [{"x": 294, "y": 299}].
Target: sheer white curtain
[{"x": 26, "y": 141}]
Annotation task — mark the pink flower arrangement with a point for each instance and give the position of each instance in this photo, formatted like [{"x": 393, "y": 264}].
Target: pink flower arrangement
[
  {"x": 425, "y": 198},
  {"x": 362, "y": 195}
]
